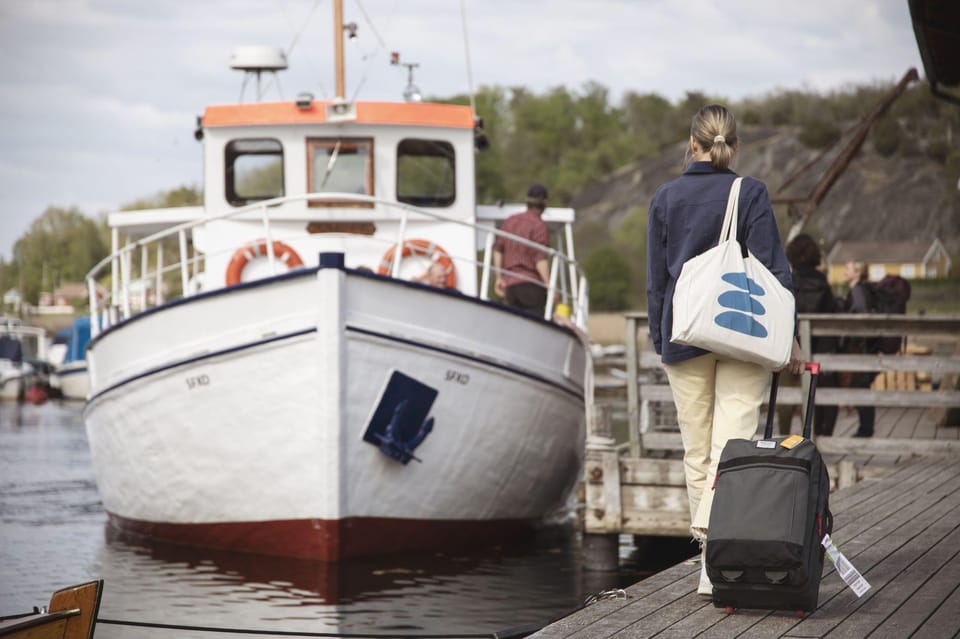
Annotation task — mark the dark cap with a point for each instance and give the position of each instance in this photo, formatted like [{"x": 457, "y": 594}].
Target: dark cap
[{"x": 537, "y": 191}]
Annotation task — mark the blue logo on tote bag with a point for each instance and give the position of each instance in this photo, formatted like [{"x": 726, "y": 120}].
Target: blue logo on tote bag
[{"x": 743, "y": 304}]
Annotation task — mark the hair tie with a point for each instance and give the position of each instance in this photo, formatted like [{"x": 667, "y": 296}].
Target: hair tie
[{"x": 719, "y": 138}]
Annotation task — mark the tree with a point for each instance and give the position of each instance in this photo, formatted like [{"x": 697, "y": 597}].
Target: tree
[
  {"x": 61, "y": 245},
  {"x": 609, "y": 275},
  {"x": 180, "y": 196}
]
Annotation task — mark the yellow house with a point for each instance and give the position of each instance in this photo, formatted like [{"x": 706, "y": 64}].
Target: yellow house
[{"x": 914, "y": 260}]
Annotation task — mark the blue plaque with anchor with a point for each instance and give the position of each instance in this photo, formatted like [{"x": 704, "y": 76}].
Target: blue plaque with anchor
[{"x": 400, "y": 423}]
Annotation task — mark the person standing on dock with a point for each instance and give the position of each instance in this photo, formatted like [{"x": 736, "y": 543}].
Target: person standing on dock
[
  {"x": 858, "y": 301},
  {"x": 813, "y": 295},
  {"x": 522, "y": 272},
  {"x": 717, "y": 398}
]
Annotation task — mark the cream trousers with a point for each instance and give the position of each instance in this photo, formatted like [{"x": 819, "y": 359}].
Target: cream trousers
[{"x": 717, "y": 399}]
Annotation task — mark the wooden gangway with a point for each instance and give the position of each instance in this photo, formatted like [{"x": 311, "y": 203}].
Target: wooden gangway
[
  {"x": 637, "y": 487},
  {"x": 901, "y": 531}
]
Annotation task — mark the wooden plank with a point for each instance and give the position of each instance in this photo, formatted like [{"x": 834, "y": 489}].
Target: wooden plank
[
  {"x": 639, "y": 498},
  {"x": 665, "y": 472},
  {"x": 585, "y": 618},
  {"x": 635, "y": 611},
  {"x": 946, "y": 617},
  {"x": 611, "y": 490},
  {"x": 838, "y": 445},
  {"x": 929, "y": 364},
  {"x": 657, "y": 622},
  {"x": 837, "y": 396},
  {"x": 885, "y": 446},
  {"x": 880, "y": 536},
  {"x": 889, "y": 549},
  {"x": 933, "y": 578},
  {"x": 870, "y": 508},
  {"x": 657, "y": 523},
  {"x": 898, "y": 531},
  {"x": 846, "y": 323}
]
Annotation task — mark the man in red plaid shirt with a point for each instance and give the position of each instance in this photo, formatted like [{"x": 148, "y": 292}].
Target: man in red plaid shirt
[{"x": 522, "y": 271}]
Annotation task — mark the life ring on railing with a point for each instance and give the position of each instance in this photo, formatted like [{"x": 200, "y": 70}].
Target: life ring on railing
[
  {"x": 246, "y": 254},
  {"x": 423, "y": 248}
]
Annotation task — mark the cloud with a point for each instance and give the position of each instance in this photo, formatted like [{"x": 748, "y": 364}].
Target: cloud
[{"x": 98, "y": 97}]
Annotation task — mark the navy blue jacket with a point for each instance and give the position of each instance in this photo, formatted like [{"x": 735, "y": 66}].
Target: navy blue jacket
[{"x": 684, "y": 221}]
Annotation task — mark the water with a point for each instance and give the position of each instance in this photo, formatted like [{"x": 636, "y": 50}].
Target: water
[{"x": 54, "y": 533}]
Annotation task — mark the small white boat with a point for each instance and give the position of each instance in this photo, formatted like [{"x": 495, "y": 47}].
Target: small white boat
[
  {"x": 266, "y": 376},
  {"x": 22, "y": 357},
  {"x": 70, "y": 376}
]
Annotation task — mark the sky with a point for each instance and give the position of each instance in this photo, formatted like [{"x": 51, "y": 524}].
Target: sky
[{"x": 99, "y": 98}]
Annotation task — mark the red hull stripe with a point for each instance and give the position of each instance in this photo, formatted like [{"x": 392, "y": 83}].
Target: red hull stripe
[{"x": 331, "y": 540}]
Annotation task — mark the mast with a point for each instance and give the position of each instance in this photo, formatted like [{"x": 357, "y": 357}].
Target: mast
[{"x": 338, "y": 48}]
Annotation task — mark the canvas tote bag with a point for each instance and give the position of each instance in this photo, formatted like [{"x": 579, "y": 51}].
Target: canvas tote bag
[{"x": 733, "y": 305}]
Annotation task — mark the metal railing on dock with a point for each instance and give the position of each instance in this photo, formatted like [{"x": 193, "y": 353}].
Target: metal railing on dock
[{"x": 637, "y": 486}]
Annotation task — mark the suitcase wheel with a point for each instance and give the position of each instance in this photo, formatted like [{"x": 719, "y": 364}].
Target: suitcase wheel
[
  {"x": 729, "y": 610},
  {"x": 801, "y": 614}
]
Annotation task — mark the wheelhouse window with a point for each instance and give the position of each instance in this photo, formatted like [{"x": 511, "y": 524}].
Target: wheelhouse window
[
  {"x": 340, "y": 165},
  {"x": 254, "y": 170},
  {"x": 426, "y": 172}
]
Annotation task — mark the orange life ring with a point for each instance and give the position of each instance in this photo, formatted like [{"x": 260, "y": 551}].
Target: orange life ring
[
  {"x": 246, "y": 254},
  {"x": 424, "y": 248}
]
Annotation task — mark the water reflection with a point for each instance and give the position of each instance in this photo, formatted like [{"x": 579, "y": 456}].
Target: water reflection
[
  {"x": 53, "y": 532},
  {"x": 483, "y": 591}
]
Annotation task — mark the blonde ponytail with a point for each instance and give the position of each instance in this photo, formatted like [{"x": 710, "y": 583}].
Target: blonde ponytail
[{"x": 715, "y": 130}]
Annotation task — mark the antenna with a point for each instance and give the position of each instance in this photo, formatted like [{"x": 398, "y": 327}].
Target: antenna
[{"x": 255, "y": 61}]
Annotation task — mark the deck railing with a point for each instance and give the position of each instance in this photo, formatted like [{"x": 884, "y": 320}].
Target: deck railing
[
  {"x": 638, "y": 486},
  {"x": 641, "y": 360},
  {"x": 567, "y": 281}
]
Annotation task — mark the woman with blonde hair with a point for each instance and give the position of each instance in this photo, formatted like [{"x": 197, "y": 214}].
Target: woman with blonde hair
[{"x": 717, "y": 397}]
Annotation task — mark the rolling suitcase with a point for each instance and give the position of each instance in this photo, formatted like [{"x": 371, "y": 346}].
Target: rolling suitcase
[{"x": 770, "y": 513}]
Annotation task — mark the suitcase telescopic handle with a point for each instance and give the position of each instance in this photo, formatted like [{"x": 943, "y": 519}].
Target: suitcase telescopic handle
[{"x": 814, "y": 370}]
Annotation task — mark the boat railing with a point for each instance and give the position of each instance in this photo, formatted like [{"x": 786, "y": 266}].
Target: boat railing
[{"x": 567, "y": 283}]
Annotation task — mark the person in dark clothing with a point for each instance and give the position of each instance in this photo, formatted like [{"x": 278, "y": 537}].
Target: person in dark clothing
[
  {"x": 717, "y": 397},
  {"x": 858, "y": 301},
  {"x": 813, "y": 294}
]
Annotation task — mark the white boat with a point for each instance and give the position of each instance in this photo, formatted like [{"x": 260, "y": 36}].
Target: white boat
[
  {"x": 266, "y": 376},
  {"x": 22, "y": 357},
  {"x": 70, "y": 376}
]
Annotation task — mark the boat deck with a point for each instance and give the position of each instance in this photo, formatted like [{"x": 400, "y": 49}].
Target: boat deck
[{"x": 899, "y": 526}]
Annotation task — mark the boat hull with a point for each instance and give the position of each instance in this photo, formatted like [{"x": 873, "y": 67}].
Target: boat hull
[
  {"x": 73, "y": 380},
  {"x": 254, "y": 425},
  {"x": 11, "y": 385}
]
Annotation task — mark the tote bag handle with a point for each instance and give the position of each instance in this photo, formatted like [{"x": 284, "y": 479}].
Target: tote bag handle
[{"x": 729, "y": 228}]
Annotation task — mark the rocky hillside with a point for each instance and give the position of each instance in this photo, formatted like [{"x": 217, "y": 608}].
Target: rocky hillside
[{"x": 904, "y": 196}]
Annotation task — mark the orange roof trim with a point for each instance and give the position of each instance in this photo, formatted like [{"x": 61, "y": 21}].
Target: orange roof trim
[{"x": 405, "y": 113}]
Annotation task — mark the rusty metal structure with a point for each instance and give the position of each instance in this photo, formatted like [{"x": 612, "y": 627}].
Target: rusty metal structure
[{"x": 800, "y": 208}]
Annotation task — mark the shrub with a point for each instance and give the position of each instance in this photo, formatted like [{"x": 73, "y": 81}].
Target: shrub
[
  {"x": 817, "y": 133},
  {"x": 609, "y": 275},
  {"x": 886, "y": 136}
]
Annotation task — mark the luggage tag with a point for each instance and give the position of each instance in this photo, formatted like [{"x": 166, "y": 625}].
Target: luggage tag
[
  {"x": 791, "y": 441},
  {"x": 850, "y": 575}
]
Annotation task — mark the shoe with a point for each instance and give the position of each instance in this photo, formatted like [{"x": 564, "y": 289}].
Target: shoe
[{"x": 705, "y": 587}]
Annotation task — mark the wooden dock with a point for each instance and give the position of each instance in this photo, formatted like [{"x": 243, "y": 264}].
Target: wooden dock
[
  {"x": 637, "y": 487},
  {"x": 901, "y": 531}
]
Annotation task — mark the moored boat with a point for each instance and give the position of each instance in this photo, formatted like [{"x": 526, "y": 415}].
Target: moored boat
[
  {"x": 267, "y": 374},
  {"x": 71, "y": 614},
  {"x": 70, "y": 377},
  {"x": 22, "y": 359}
]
